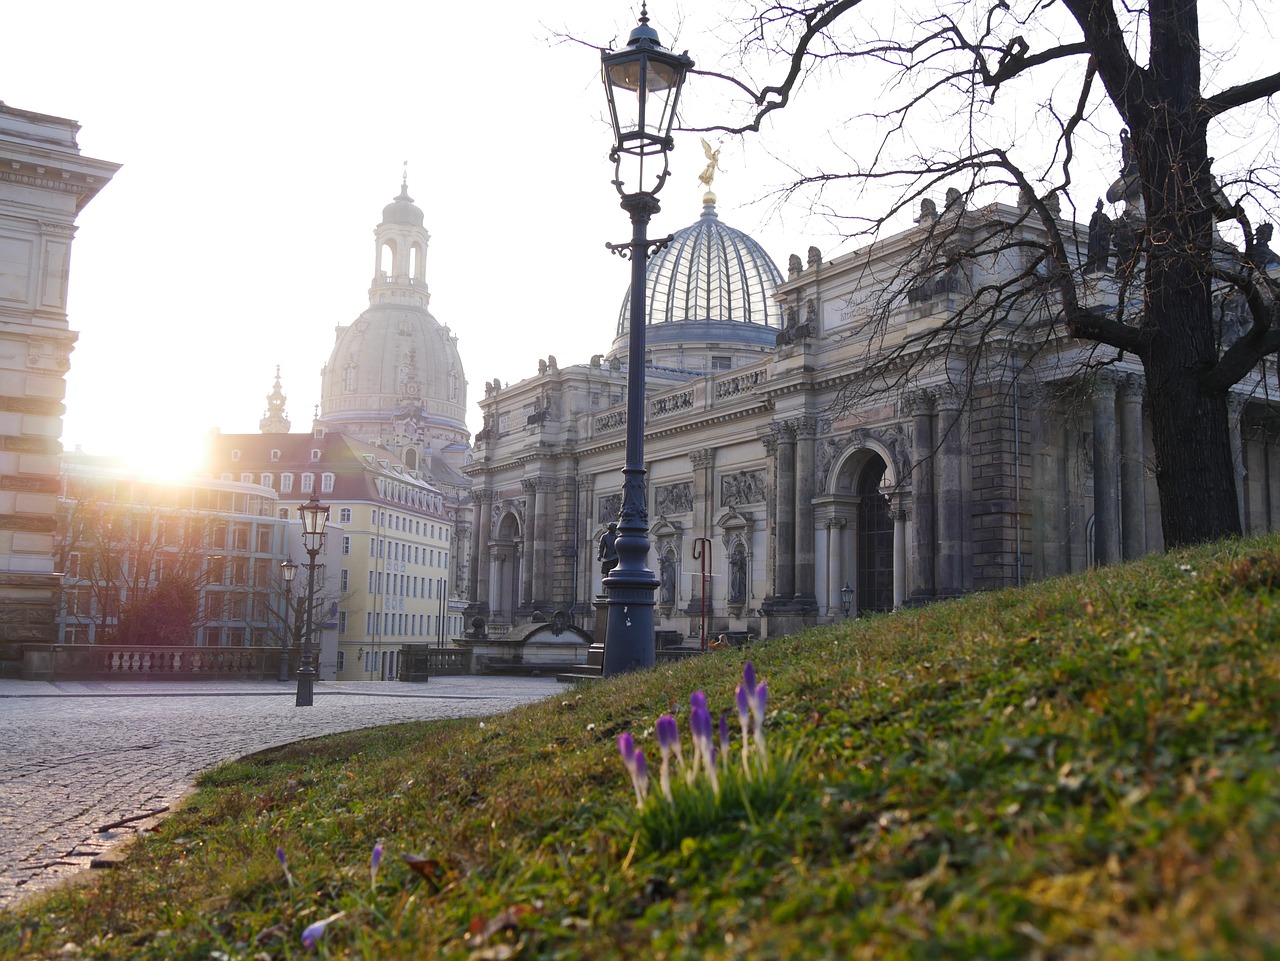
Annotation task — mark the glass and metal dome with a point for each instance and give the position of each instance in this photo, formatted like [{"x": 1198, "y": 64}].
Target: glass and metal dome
[{"x": 712, "y": 286}]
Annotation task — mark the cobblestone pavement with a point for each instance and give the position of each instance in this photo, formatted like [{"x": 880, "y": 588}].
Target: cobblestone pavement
[{"x": 77, "y": 756}]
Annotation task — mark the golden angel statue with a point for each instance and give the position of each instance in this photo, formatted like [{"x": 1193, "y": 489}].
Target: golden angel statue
[{"x": 709, "y": 171}]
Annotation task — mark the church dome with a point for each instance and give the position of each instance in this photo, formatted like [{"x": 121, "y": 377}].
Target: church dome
[
  {"x": 402, "y": 210},
  {"x": 712, "y": 285},
  {"x": 394, "y": 376}
]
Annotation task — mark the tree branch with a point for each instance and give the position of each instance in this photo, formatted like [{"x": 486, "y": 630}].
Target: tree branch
[{"x": 1239, "y": 95}]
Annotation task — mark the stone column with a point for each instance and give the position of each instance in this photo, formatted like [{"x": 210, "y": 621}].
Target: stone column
[
  {"x": 704, "y": 499},
  {"x": 950, "y": 492},
  {"x": 586, "y": 549},
  {"x": 770, "y": 443},
  {"x": 806, "y": 531},
  {"x": 899, "y": 515},
  {"x": 1106, "y": 487},
  {"x": 785, "y": 525},
  {"x": 835, "y": 566},
  {"x": 1133, "y": 481},
  {"x": 919, "y": 407},
  {"x": 1048, "y": 556},
  {"x": 529, "y": 546},
  {"x": 543, "y": 534},
  {"x": 478, "y": 586}
]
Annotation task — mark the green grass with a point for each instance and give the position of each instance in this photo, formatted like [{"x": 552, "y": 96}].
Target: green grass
[{"x": 1086, "y": 768}]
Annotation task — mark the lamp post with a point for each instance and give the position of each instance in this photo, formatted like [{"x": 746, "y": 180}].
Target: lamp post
[
  {"x": 642, "y": 82},
  {"x": 314, "y": 516},
  {"x": 846, "y": 599},
  {"x": 288, "y": 570}
]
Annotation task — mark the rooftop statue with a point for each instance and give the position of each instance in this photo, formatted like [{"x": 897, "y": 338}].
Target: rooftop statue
[{"x": 713, "y": 164}]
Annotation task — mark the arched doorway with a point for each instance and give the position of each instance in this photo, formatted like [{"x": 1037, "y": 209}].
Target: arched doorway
[
  {"x": 874, "y": 540},
  {"x": 504, "y": 574}
]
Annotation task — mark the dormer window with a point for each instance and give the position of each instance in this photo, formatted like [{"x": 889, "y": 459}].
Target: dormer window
[
  {"x": 315, "y": 454},
  {"x": 275, "y": 457},
  {"x": 235, "y": 455},
  {"x": 318, "y": 433}
]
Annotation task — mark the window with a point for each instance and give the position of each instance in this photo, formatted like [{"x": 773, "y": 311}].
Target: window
[
  {"x": 344, "y": 515},
  {"x": 326, "y": 483},
  {"x": 371, "y": 582},
  {"x": 308, "y": 483},
  {"x": 286, "y": 483},
  {"x": 264, "y": 540},
  {"x": 246, "y": 478},
  {"x": 346, "y": 546},
  {"x": 240, "y": 570},
  {"x": 283, "y": 513},
  {"x": 235, "y": 456},
  {"x": 73, "y": 565},
  {"x": 315, "y": 455},
  {"x": 721, "y": 363},
  {"x": 267, "y": 480},
  {"x": 343, "y": 579},
  {"x": 342, "y": 658},
  {"x": 275, "y": 457}
]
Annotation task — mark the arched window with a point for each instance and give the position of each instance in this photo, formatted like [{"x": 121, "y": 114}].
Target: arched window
[
  {"x": 308, "y": 483},
  {"x": 286, "y": 483},
  {"x": 326, "y": 483},
  {"x": 387, "y": 258}
]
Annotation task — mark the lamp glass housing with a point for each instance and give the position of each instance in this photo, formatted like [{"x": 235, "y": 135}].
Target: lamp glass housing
[
  {"x": 288, "y": 570},
  {"x": 642, "y": 83},
  {"x": 314, "y": 516}
]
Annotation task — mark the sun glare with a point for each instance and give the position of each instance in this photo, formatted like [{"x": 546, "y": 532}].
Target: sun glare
[{"x": 165, "y": 462}]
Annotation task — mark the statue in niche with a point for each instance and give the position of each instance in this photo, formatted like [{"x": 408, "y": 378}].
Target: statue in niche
[
  {"x": 1100, "y": 230},
  {"x": 667, "y": 578},
  {"x": 607, "y": 552},
  {"x": 738, "y": 575}
]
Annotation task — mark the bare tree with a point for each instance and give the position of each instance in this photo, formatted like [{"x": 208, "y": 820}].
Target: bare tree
[{"x": 1006, "y": 94}]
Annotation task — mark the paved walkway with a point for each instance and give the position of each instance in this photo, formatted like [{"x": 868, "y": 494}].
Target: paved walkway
[{"x": 75, "y": 756}]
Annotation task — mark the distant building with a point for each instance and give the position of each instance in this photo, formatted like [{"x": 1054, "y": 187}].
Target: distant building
[
  {"x": 120, "y": 535},
  {"x": 44, "y": 184},
  {"x": 785, "y": 482},
  {"x": 389, "y": 542}
]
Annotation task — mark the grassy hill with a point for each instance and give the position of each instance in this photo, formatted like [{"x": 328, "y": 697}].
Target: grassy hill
[{"x": 1086, "y": 768}]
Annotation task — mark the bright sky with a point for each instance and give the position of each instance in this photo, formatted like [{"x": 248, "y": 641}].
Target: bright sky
[{"x": 260, "y": 142}]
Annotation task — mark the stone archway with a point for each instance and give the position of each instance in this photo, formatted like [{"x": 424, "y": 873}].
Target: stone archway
[{"x": 505, "y": 558}]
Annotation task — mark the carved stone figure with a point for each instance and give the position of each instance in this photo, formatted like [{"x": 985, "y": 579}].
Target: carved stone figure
[
  {"x": 794, "y": 266},
  {"x": 667, "y": 578},
  {"x": 954, "y": 198},
  {"x": 610, "y": 507},
  {"x": 1100, "y": 230},
  {"x": 928, "y": 212},
  {"x": 738, "y": 576},
  {"x": 607, "y": 552}
]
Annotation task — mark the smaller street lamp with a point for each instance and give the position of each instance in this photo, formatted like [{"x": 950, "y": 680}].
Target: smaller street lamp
[
  {"x": 288, "y": 570},
  {"x": 846, "y": 599},
  {"x": 314, "y": 516}
]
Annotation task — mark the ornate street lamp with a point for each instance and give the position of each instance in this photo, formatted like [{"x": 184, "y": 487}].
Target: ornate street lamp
[
  {"x": 288, "y": 570},
  {"x": 314, "y": 516},
  {"x": 846, "y": 599},
  {"x": 643, "y": 83}
]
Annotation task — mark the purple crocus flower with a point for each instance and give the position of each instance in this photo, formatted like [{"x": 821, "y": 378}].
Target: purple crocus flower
[
  {"x": 744, "y": 722},
  {"x": 374, "y": 861},
  {"x": 668, "y": 744},
  {"x": 724, "y": 739},
  {"x": 704, "y": 748},
  {"x": 284, "y": 863},
  {"x": 749, "y": 676},
  {"x": 627, "y": 748},
  {"x": 640, "y": 780},
  {"x": 758, "y": 707},
  {"x": 312, "y": 934},
  {"x": 698, "y": 699}
]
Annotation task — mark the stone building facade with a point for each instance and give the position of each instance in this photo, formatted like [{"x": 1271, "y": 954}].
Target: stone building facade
[
  {"x": 851, "y": 443},
  {"x": 44, "y": 184}
]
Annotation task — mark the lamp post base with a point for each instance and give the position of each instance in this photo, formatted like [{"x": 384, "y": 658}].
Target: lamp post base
[
  {"x": 306, "y": 688},
  {"x": 628, "y": 638}
]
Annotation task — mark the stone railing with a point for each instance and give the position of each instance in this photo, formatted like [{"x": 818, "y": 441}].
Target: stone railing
[
  {"x": 740, "y": 383},
  {"x": 670, "y": 404},
  {"x": 421, "y": 662},
  {"x": 48, "y": 662}
]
